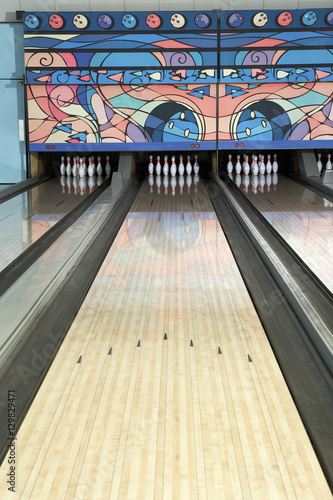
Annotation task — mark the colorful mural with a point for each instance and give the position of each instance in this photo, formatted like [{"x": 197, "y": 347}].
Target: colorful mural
[
  {"x": 121, "y": 114},
  {"x": 121, "y": 81},
  {"x": 301, "y": 111}
]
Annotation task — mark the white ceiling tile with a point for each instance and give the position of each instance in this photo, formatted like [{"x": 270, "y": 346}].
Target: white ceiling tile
[
  {"x": 37, "y": 5},
  {"x": 72, "y": 5},
  {"x": 8, "y": 12},
  {"x": 311, "y": 5},
  {"x": 246, "y": 4},
  {"x": 281, "y": 4},
  {"x": 145, "y": 5}
]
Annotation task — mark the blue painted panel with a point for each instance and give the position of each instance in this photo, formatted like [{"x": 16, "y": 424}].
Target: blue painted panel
[
  {"x": 136, "y": 146},
  {"x": 12, "y": 55},
  {"x": 13, "y": 157}
]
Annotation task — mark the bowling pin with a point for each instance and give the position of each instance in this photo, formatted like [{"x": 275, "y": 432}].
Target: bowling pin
[
  {"x": 68, "y": 166},
  {"x": 188, "y": 166},
  {"x": 181, "y": 168},
  {"x": 329, "y": 162},
  {"x": 181, "y": 183},
  {"x": 246, "y": 168},
  {"x": 319, "y": 163},
  {"x": 255, "y": 169},
  {"x": 99, "y": 168},
  {"x": 173, "y": 183},
  {"x": 268, "y": 165},
  {"x": 262, "y": 167},
  {"x": 166, "y": 183},
  {"x": 90, "y": 168},
  {"x": 151, "y": 165},
  {"x": 158, "y": 166},
  {"x": 275, "y": 166},
  {"x": 81, "y": 169},
  {"x": 173, "y": 168},
  {"x": 230, "y": 166},
  {"x": 158, "y": 183},
  {"x": 74, "y": 170},
  {"x": 238, "y": 166},
  {"x": 151, "y": 182},
  {"x": 62, "y": 166},
  {"x": 196, "y": 166},
  {"x": 165, "y": 166},
  {"x": 84, "y": 165},
  {"x": 107, "y": 166}
]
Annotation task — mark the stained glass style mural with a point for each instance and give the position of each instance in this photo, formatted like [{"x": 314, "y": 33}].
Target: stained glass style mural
[{"x": 176, "y": 80}]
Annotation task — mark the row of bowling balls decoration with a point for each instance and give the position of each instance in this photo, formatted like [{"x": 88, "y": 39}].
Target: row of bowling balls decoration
[{"x": 176, "y": 20}]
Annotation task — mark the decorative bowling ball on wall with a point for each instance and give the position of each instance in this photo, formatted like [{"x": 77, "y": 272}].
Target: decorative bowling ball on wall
[
  {"x": 80, "y": 21},
  {"x": 31, "y": 21},
  {"x": 178, "y": 21},
  {"x": 235, "y": 20},
  {"x": 56, "y": 22},
  {"x": 259, "y": 19},
  {"x": 153, "y": 21},
  {"x": 309, "y": 18},
  {"x": 202, "y": 20},
  {"x": 284, "y": 19},
  {"x": 104, "y": 21},
  {"x": 129, "y": 21},
  {"x": 329, "y": 18}
]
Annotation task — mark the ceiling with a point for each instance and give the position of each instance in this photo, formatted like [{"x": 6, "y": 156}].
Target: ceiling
[{"x": 8, "y": 8}]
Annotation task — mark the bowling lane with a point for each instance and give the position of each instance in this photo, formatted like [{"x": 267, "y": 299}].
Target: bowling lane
[
  {"x": 165, "y": 385},
  {"x": 27, "y": 216},
  {"x": 303, "y": 218}
]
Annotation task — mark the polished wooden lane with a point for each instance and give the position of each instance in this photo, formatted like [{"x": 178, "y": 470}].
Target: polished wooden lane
[
  {"x": 154, "y": 410},
  {"x": 29, "y": 215},
  {"x": 304, "y": 219}
]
